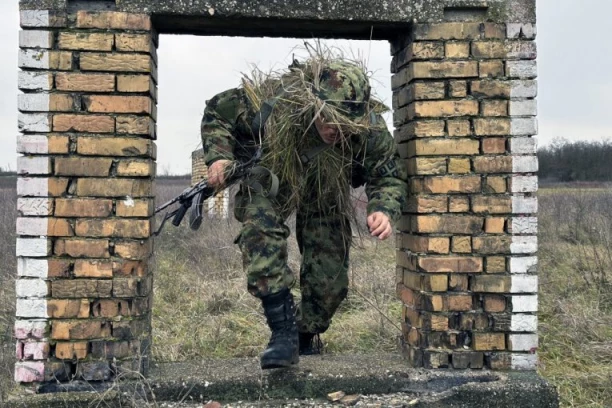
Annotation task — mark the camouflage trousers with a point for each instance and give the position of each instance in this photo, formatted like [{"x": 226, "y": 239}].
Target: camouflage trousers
[{"x": 323, "y": 241}]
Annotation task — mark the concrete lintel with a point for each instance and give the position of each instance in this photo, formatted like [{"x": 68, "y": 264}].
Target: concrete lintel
[{"x": 302, "y": 18}]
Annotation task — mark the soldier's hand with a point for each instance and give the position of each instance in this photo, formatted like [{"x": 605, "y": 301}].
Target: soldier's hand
[
  {"x": 216, "y": 173},
  {"x": 380, "y": 225}
]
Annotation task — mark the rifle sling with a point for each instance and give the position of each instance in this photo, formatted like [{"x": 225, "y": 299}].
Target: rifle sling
[{"x": 258, "y": 173}]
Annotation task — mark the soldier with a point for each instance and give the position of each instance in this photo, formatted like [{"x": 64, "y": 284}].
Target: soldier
[{"x": 320, "y": 132}]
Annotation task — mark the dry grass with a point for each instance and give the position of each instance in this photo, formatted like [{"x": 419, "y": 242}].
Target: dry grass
[{"x": 202, "y": 308}]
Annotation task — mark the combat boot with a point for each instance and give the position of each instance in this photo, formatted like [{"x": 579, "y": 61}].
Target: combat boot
[
  {"x": 310, "y": 344},
  {"x": 282, "y": 350}
]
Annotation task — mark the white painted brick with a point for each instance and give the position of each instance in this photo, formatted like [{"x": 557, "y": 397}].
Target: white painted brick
[
  {"x": 523, "y": 184},
  {"x": 522, "y": 69},
  {"x": 524, "y": 225},
  {"x": 35, "y": 39},
  {"x": 524, "y": 164},
  {"x": 524, "y": 323},
  {"x": 524, "y": 205},
  {"x": 521, "y": 50},
  {"x": 520, "y": 30},
  {"x": 523, "y": 145},
  {"x": 32, "y": 267},
  {"x": 523, "y": 264},
  {"x": 523, "y": 126},
  {"x": 33, "y": 59},
  {"x": 524, "y": 303},
  {"x": 32, "y": 226},
  {"x": 33, "y": 247},
  {"x": 30, "y": 329},
  {"x": 34, "y": 18},
  {"x": 530, "y": 31},
  {"x": 33, "y": 165},
  {"x": 513, "y": 30},
  {"x": 36, "y": 187},
  {"x": 34, "y": 122},
  {"x": 524, "y": 361},
  {"x": 37, "y": 102},
  {"x": 35, "y": 80},
  {"x": 34, "y": 206},
  {"x": 524, "y": 284},
  {"x": 524, "y": 244},
  {"x": 31, "y": 308},
  {"x": 526, "y": 107},
  {"x": 522, "y": 342},
  {"x": 31, "y": 288},
  {"x": 520, "y": 88},
  {"x": 33, "y": 144}
]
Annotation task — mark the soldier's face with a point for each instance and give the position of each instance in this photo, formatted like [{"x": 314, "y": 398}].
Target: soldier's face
[{"x": 328, "y": 132}]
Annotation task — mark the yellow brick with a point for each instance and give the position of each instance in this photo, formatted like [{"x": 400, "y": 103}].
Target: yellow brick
[
  {"x": 448, "y": 224},
  {"x": 113, "y": 187},
  {"x": 454, "y": 50},
  {"x": 496, "y": 184},
  {"x": 136, "y": 125},
  {"x": 490, "y": 89},
  {"x": 136, "y": 168},
  {"x": 447, "y": 31},
  {"x": 491, "y": 127},
  {"x": 423, "y": 147},
  {"x": 93, "y": 268},
  {"x": 424, "y": 166},
  {"x": 459, "y": 166},
  {"x": 443, "y": 69},
  {"x": 488, "y": 49},
  {"x": 134, "y": 83},
  {"x": 444, "y": 108},
  {"x": 135, "y": 208},
  {"x": 69, "y": 81},
  {"x": 60, "y": 60},
  {"x": 86, "y": 41},
  {"x": 491, "y": 69},
  {"x": 113, "y": 20},
  {"x": 491, "y": 283},
  {"x": 492, "y": 204},
  {"x": 489, "y": 341},
  {"x": 494, "y": 225},
  {"x": 82, "y": 166},
  {"x": 459, "y": 128},
  {"x": 495, "y": 264},
  {"x": 118, "y": 104},
  {"x": 83, "y": 207},
  {"x": 134, "y": 42},
  {"x": 116, "y": 146},
  {"x": 494, "y": 108},
  {"x": 83, "y": 123},
  {"x": 448, "y": 264},
  {"x": 462, "y": 245},
  {"x": 90, "y": 61},
  {"x": 458, "y": 204},
  {"x": 450, "y": 184},
  {"x": 458, "y": 89},
  {"x": 126, "y": 228},
  {"x": 493, "y": 164}
]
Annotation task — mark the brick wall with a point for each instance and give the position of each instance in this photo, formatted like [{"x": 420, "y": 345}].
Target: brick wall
[
  {"x": 465, "y": 116},
  {"x": 218, "y": 206},
  {"x": 87, "y": 122}
]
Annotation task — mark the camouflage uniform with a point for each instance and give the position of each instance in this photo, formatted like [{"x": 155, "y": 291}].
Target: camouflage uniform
[{"x": 321, "y": 234}]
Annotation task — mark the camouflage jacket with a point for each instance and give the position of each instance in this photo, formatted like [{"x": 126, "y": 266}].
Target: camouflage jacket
[{"x": 227, "y": 134}]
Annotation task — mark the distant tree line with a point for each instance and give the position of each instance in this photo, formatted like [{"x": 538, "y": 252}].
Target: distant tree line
[{"x": 576, "y": 161}]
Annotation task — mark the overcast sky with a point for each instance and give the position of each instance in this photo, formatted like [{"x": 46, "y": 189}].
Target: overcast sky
[{"x": 574, "y": 60}]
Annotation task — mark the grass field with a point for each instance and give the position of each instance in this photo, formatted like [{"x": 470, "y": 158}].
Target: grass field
[{"x": 201, "y": 307}]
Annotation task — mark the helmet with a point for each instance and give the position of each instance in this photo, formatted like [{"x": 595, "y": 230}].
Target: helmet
[{"x": 345, "y": 86}]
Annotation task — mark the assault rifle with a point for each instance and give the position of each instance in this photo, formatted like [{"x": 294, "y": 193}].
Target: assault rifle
[{"x": 202, "y": 191}]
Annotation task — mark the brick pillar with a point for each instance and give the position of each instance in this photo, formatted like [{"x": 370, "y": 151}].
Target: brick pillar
[
  {"x": 87, "y": 122},
  {"x": 464, "y": 116}
]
